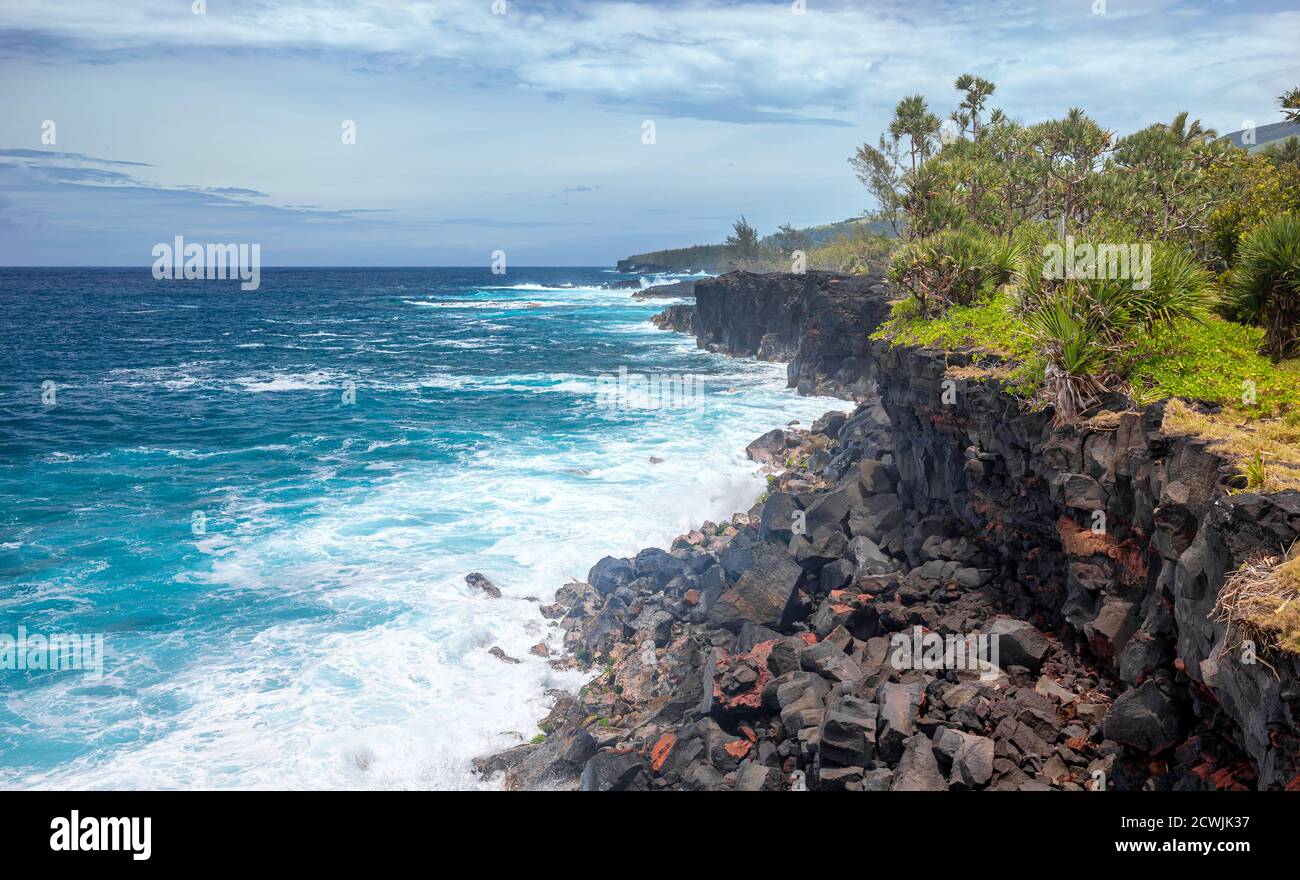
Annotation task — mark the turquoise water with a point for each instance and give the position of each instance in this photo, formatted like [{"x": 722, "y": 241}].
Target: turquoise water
[{"x": 277, "y": 569}]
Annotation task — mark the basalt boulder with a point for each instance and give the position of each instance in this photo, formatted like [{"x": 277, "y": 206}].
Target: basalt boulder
[
  {"x": 1145, "y": 718},
  {"x": 762, "y": 594},
  {"x": 610, "y": 573}
]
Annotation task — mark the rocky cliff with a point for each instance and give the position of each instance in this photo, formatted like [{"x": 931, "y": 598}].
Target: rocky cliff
[
  {"x": 1112, "y": 532},
  {"x": 941, "y": 517},
  {"x": 818, "y": 322}
]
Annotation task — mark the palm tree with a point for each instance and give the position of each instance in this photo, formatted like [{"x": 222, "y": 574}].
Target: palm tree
[
  {"x": 913, "y": 120},
  {"x": 977, "y": 92},
  {"x": 1290, "y": 102},
  {"x": 1188, "y": 135},
  {"x": 1283, "y": 152}
]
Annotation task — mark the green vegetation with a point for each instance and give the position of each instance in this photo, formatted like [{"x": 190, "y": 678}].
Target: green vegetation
[
  {"x": 1163, "y": 263},
  {"x": 989, "y": 326},
  {"x": 999, "y": 345},
  {"x": 1255, "y": 474},
  {"x": 1253, "y": 188},
  {"x": 743, "y": 243},
  {"x": 1217, "y": 361},
  {"x": 1264, "y": 286},
  {"x": 856, "y": 245},
  {"x": 696, "y": 258},
  {"x": 1290, "y": 102},
  {"x": 954, "y": 266}
]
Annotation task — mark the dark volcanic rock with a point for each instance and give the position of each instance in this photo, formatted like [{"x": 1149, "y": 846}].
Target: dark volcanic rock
[
  {"x": 658, "y": 565},
  {"x": 1019, "y": 643},
  {"x": 830, "y": 509},
  {"x": 757, "y": 655},
  {"x": 771, "y": 445},
  {"x": 918, "y": 770},
  {"x": 556, "y": 763},
  {"x": 898, "y": 705},
  {"x": 611, "y": 573},
  {"x": 1145, "y": 718},
  {"x": 762, "y": 594},
  {"x": 756, "y": 777},
  {"x": 679, "y": 318},
  {"x": 481, "y": 582},
  {"x": 800, "y": 697},
  {"x": 868, "y": 557},
  {"x": 848, "y": 736},
  {"x": 818, "y": 321},
  {"x": 969, "y": 757},
  {"x": 501, "y": 655},
  {"x": 831, "y": 663},
  {"x": 665, "y": 291},
  {"x": 778, "y": 517},
  {"x": 611, "y": 771}
]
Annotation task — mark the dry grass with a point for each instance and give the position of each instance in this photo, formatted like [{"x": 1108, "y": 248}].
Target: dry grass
[
  {"x": 990, "y": 371},
  {"x": 1107, "y": 420},
  {"x": 1267, "y": 451},
  {"x": 1260, "y": 602}
]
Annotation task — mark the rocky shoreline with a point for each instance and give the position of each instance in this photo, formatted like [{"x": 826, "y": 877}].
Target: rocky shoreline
[{"x": 817, "y": 640}]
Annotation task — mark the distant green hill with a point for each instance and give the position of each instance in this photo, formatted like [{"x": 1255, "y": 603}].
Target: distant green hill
[
  {"x": 828, "y": 232},
  {"x": 1264, "y": 135},
  {"x": 717, "y": 258},
  {"x": 696, "y": 258}
]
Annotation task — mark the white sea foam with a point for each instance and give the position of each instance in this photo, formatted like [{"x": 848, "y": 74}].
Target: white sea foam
[
  {"x": 403, "y": 698},
  {"x": 503, "y": 305},
  {"x": 316, "y": 380},
  {"x": 532, "y": 383},
  {"x": 390, "y": 684}
]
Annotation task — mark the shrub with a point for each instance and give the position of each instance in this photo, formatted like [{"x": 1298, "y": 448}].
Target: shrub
[
  {"x": 1176, "y": 286},
  {"x": 1072, "y": 336},
  {"x": 1081, "y": 324},
  {"x": 860, "y": 252},
  {"x": 954, "y": 267},
  {"x": 1250, "y": 189},
  {"x": 1216, "y": 361},
  {"x": 1264, "y": 286}
]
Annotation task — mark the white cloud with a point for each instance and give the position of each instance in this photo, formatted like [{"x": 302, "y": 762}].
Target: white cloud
[
  {"x": 700, "y": 58},
  {"x": 459, "y": 116}
]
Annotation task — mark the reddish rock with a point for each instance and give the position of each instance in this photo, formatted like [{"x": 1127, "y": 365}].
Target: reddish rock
[
  {"x": 739, "y": 749},
  {"x": 750, "y": 698},
  {"x": 662, "y": 749}
]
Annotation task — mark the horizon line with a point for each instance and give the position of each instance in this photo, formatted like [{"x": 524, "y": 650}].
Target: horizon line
[{"x": 148, "y": 267}]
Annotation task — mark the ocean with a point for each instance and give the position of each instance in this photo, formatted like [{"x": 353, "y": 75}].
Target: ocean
[{"x": 265, "y": 504}]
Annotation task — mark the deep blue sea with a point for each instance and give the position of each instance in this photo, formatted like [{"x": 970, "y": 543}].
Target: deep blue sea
[{"x": 277, "y": 569}]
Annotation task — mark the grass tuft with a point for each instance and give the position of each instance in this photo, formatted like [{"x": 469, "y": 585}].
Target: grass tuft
[
  {"x": 1260, "y": 602},
  {"x": 1267, "y": 450}
]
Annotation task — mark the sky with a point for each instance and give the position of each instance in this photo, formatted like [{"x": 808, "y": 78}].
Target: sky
[{"x": 525, "y": 126}]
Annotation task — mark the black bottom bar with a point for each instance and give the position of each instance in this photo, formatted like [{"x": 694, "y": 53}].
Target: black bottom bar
[{"x": 300, "y": 829}]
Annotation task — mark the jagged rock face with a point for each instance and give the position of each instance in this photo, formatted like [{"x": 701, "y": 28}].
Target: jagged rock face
[
  {"x": 1121, "y": 533},
  {"x": 763, "y": 653},
  {"x": 818, "y": 322},
  {"x": 679, "y": 318}
]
